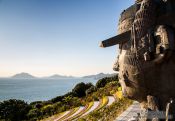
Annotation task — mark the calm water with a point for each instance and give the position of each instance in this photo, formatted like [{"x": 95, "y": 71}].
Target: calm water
[{"x": 37, "y": 89}]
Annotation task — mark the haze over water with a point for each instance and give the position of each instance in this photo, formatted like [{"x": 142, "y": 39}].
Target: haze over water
[{"x": 37, "y": 89}]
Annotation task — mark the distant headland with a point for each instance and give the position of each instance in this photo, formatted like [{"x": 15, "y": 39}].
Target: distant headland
[{"x": 25, "y": 75}]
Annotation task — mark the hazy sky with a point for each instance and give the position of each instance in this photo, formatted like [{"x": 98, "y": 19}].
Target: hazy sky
[{"x": 45, "y": 37}]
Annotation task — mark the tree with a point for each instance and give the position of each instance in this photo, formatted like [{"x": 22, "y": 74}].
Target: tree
[
  {"x": 90, "y": 90},
  {"x": 57, "y": 99},
  {"x": 102, "y": 82},
  {"x": 67, "y": 99},
  {"x": 14, "y": 110},
  {"x": 48, "y": 110},
  {"x": 34, "y": 114},
  {"x": 89, "y": 85},
  {"x": 80, "y": 89},
  {"x": 60, "y": 98}
]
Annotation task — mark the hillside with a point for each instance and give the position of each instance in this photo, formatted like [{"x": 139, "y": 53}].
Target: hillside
[
  {"x": 23, "y": 76},
  {"x": 85, "y": 102},
  {"x": 99, "y": 76},
  {"x": 57, "y": 76}
]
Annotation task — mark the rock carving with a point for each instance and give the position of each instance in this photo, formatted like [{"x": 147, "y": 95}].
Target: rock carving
[{"x": 146, "y": 61}]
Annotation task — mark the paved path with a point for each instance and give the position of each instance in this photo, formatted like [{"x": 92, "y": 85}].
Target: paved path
[
  {"x": 96, "y": 103},
  {"x": 130, "y": 113},
  {"x": 111, "y": 100},
  {"x": 68, "y": 115},
  {"x": 76, "y": 113},
  {"x": 62, "y": 115}
]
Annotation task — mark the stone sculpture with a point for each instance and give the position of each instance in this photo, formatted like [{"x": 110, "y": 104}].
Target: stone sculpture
[{"x": 146, "y": 61}]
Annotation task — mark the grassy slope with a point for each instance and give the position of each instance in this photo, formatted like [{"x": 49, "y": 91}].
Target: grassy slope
[
  {"x": 111, "y": 111},
  {"x": 108, "y": 113}
]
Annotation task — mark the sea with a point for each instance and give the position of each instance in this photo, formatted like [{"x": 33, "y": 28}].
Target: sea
[{"x": 31, "y": 90}]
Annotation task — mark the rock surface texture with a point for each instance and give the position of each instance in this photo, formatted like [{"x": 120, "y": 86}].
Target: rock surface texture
[{"x": 146, "y": 62}]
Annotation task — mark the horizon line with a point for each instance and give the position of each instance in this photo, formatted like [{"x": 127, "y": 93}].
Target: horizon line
[{"x": 47, "y": 76}]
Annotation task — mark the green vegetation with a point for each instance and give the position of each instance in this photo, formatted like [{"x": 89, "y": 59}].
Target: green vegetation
[
  {"x": 82, "y": 94},
  {"x": 80, "y": 89},
  {"x": 104, "y": 102},
  {"x": 87, "y": 107},
  {"x": 102, "y": 82},
  {"x": 72, "y": 111},
  {"x": 108, "y": 113},
  {"x": 14, "y": 110}
]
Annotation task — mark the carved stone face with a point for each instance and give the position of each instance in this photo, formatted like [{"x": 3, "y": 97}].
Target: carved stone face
[
  {"x": 130, "y": 74},
  {"x": 140, "y": 75},
  {"x": 134, "y": 52},
  {"x": 146, "y": 62},
  {"x": 121, "y": 71}
]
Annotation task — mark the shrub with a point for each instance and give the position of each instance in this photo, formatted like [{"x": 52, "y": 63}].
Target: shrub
[
  {"x": 109, "y": 113},
  {"x": 47, "y": 110},
  {"x": 39, "y": 105},
  {"x": 60, "y": 98},
  {"x": 72, "y": 94},
  {"x": 57, "y": 99},
  {"x": 102, "y": 82},
  {"x": 81, "y": 119},
  {"x": 89, "y": 85},
  {"x": 91, "y": 90},
  {"x": 14, "y": 110},
  {"x": 33, "y": 114},
  {"x": 36, "y": 102},
  {"x": 96, "y": 98},
  {"x": 67, "y": 99},
  {"x": 80, "y": 89}
]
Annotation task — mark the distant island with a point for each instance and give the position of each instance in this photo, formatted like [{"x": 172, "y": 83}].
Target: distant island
[
  {"x": 57, "y": 76},
  {"x": 99, "y": 76},
  {"x": 24, "y": 75}
]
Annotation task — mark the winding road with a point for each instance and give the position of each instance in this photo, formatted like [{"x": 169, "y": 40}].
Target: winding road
[{"x": 82, "y": 111}]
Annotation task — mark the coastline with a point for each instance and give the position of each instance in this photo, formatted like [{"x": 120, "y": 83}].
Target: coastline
[{"x": 37, "y": 89}]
